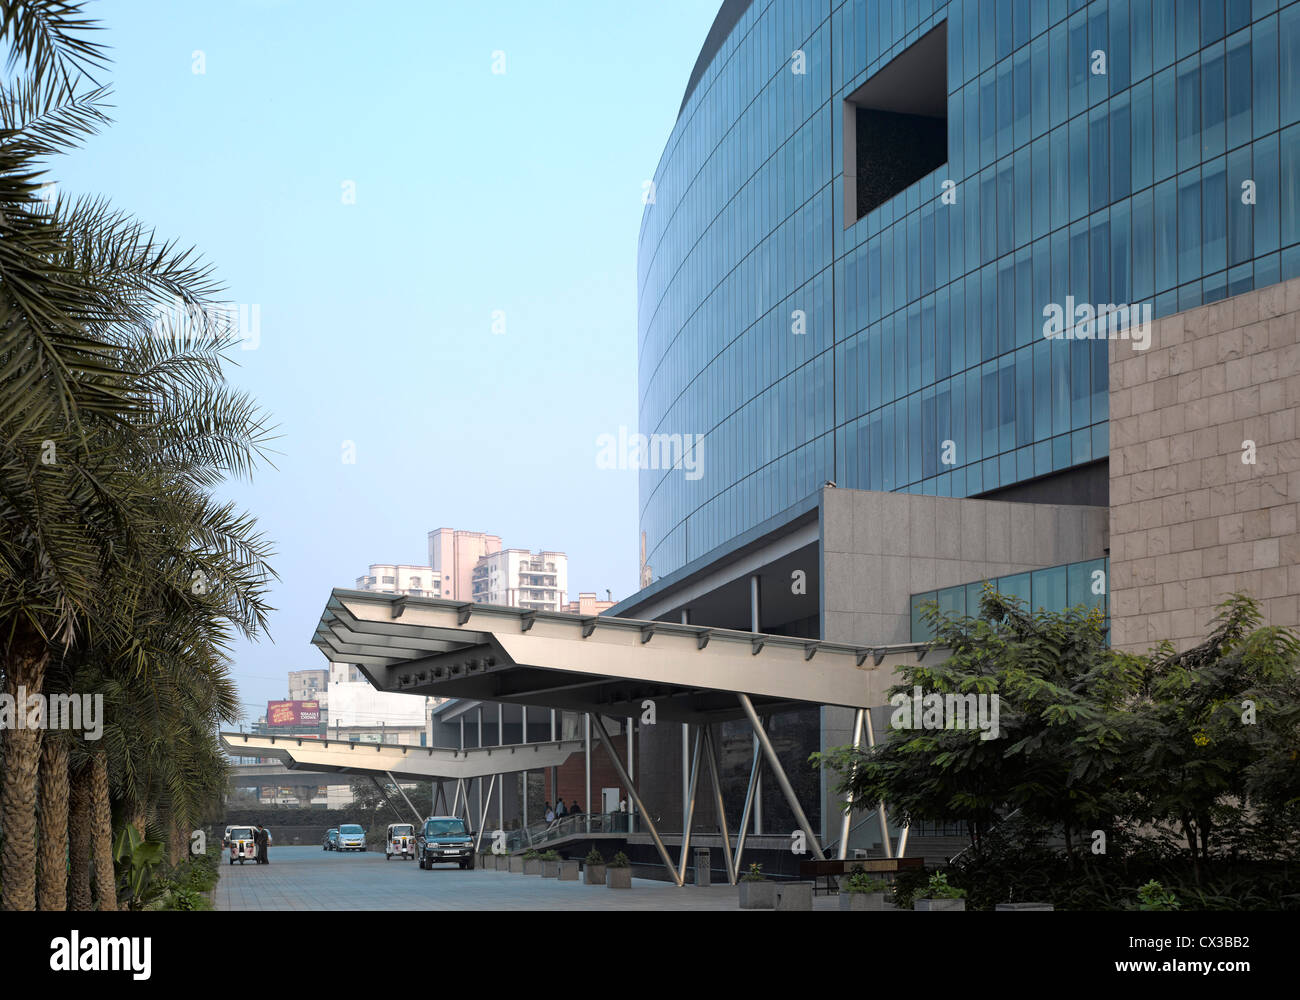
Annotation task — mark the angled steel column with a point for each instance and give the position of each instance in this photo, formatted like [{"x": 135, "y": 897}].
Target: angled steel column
[
  {"x": 845, "y": 826},
  {"x": 755, "y": 625},
  {"x": 775, "y": 763},
  {"x": 478, "y": 833},
  {"x": 749, "y": 804},
  {"x": 523, "y": 725},
  {"x": 632, "y": 792},
  {"x": 501, "y": 794},
  {"x": 414, "y": 812},
  {"x": 686, "y": 749},
  {"x": 711, "y": 756},
  {"x": 880, "y": 812},
  {"x": 689, "y": 819},
  {"x": 586, "y": 734},
  {"x": 631, "y": 769}
]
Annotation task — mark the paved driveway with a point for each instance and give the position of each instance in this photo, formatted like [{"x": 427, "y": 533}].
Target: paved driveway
[{"x": 307, "y": 878}]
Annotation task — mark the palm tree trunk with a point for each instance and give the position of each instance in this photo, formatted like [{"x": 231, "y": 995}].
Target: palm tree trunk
[
  {"x": 53, "y": 849},
  {"x": 25, "y": 674},
  {"x": 101, "y": 832},
  {"x": 79, "y": 896}
]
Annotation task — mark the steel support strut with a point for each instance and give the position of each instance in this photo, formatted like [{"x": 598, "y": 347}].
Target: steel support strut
[
  {"x": 689, "y": 819},
  {"x": 845, "y": 826},
  {"x": 711, "y": 757},
  {"x": 749, "y": 803},
  {"x": 414, "y": 812},
  {"x": 880, "y": 810},
  {"x": 631, "y": 791},
  {"x": 779, "y": 772}
]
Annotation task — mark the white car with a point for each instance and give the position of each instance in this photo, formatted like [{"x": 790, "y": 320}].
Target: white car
[{"x": 351, "y": 838}]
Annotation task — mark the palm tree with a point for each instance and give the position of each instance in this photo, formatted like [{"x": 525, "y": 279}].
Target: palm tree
[{"x": 113, "y": 433}]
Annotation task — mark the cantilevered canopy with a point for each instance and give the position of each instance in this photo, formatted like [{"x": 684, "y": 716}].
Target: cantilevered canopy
[
  {"x": 428, "y": 646},
  {"x": 403, "y": 762}
]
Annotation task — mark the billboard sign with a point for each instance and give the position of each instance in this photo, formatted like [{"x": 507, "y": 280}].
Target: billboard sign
[{"x": 293, "y": 713}]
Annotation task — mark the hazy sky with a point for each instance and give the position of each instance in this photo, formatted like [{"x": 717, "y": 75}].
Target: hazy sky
[{"x": 474, "y": 192}]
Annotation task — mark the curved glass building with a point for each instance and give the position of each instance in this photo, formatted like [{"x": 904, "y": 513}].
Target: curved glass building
[
  {"x": 816, "y": 309},
  {"x": 945, "y": 292}
]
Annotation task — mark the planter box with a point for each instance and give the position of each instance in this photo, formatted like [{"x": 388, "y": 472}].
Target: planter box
[
  {"x": 594, "y": 874},
  {"x": 533, "y": 866},
  {"x": 618, "y": 878},
  {"x": 516, "y": 864},
  {"x": 757, "y": 895},
  {"x": 568, "y": 871},
  {"x": 550, "y": 869},
  {"x": 865, "y": 901},
  {"x": 501, "y": 862},
  {"x": 794, "y": 896},
  {"x": 938, "y": 904},
  {"x": 1023, "y": 906}
]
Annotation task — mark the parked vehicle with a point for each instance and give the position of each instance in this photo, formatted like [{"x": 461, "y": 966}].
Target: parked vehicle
[
  {"x": 225, "y": 837},
  {"x": 399, "y": 841},
  {"x": 242, "y": 847},
  {"x": 446, "y": 839},
  {"x": 331, "y": 841},
  {"x": 351, "y": 838}
]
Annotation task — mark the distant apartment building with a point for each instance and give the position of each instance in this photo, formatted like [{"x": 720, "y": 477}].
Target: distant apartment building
[
  {"x": 309, "y": 685},
  {"x": 454, "y": 554},
  {"x": 414, "y": 581},
  {"x": 522, "y": 579},
  {"x": 586, "y": 604}
]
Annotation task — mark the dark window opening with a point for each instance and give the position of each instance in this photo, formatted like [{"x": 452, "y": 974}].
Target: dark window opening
[{"x": 896, "y": 125}]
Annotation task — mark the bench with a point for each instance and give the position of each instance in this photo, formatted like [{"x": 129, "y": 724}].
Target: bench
[{"x": 831, "y": 870}]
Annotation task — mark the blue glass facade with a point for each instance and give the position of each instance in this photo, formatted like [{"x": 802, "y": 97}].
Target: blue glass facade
[
  {"x": 923, "y": 319},
  {"x": 1053, "y": 588}
]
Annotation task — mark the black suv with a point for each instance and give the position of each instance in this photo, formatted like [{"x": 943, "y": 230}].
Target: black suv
[{"x": 444, "y": 840}]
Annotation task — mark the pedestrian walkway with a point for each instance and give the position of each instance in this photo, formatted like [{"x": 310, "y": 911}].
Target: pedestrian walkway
[{"x": 307, "y": 878}]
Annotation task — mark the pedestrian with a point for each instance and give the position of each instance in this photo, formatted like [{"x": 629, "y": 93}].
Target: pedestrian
[
  {"x": 549, "y": 812},
  {"x": 259, "y": 841},
  {"x": 560, "y": 812},
  {"x": 574, "y": 810}
]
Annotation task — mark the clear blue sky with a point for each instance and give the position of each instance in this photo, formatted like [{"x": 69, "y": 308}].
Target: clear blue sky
[{"x": 474, "y": 192}]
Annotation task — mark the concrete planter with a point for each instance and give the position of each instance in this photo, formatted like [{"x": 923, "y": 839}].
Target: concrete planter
[
  {"x": 568, "y": 871},
  {"x": 594, "y": 874},
  {"x": 501, "y": 862},
  {"x": 938, "y": 904},
  {"x": 865, "y": 901},
  {"x": 1023, "y": 906},
  {"x": 516, "y": 864},
  {"x": 618, "y": 878},
  {"x": 758, "y": 895},
  {"x": 550, "y": 869},
  {"x": 794, "y": 896},
  {"x": 533, "y": 866}
]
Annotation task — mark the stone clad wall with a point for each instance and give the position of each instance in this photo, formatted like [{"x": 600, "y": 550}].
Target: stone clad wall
[{"x": 1190, "y": 521}]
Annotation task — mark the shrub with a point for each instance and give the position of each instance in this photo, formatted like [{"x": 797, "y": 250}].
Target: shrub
[
  {"x": 755, "y": 874},
  {"x": 860, "y": 881},
  {"x": 938, "y": 888},
  {"x": 551, "y": 856},
  {"x": 1154, "y": 896},
  {"x": 594, "y": 857},
  {"x": 620, "y": 860}
]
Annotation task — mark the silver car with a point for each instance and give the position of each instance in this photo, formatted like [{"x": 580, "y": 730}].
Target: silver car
[{"x": 351, "y": 838}]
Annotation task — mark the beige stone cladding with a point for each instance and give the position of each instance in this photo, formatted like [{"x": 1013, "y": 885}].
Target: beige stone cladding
[{"x": 1205, "y": 468}]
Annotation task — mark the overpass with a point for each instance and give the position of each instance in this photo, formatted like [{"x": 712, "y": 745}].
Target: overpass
[
  {"x": 620, "y": 667},
  {"x": 343, "y": 760}
]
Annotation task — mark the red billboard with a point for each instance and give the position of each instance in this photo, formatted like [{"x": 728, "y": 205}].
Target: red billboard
[{"x": 293, "y": 713}]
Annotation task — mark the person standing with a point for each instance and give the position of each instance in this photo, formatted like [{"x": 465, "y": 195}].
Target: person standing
[
  {"x": 559, "y": 809},
  {"x": 259, "y": 842},
  {"x": 548, "y": 812}
]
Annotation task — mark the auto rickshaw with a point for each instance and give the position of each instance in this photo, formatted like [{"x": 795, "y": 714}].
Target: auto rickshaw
[
  {"x": 242, "y": 846},
  {"x": 400, "y": 841}
]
